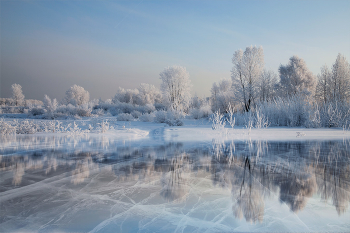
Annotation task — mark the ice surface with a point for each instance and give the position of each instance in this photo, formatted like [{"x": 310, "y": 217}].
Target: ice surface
[{"x": 99, "y": 183}]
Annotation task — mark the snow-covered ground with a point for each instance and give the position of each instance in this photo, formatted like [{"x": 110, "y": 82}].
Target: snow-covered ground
[{"x": 192, "y": 130}]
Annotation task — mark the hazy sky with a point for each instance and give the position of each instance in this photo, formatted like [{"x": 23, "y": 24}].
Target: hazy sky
[{"x": 47, "y": 46}]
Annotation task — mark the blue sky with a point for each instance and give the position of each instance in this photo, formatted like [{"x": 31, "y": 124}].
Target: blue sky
[{"x": 47, "y": 46}]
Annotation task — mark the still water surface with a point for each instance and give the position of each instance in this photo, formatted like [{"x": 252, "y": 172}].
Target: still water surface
[{"x": 101, "y": 185}]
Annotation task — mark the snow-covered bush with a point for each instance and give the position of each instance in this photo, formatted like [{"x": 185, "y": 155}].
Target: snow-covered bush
[
  {"x": 125, "y": 117},
  {"x": 37, "y": 111},
  {"x": 231, "y": 119},
  {"x": 196, "y": 113},
  {"x": 6, "y": 128},
  {"x": 70, "y": 110},
  {"x": 218, "y": 121},
  {"x": 136, "y": 114},
  {"x": 129, "y": 96},
  {"x": 203, "y": 112},
  {"x": 260, "y": 120},
  {"x": 50, "y": 105},
  {"x": 98, "y": 111},
  {"x": 147, "y": 117},
  {"x": 26, "y": 127},
  {"x": 103, "y": 126},
  {"x": 171, "y": 118},
  {"x": 161, "y": 116},
  {"x": 291, "y": 111},
  {"x": 334, "y": 114}
]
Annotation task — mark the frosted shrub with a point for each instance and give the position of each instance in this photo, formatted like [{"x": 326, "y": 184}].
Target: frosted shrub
[
  {"x": 175, "y": 122},
  {"x": 148, "y": 108},
  {"x": 136, "y": 114},
  {"x": 99, "y": 112},
  {"x": 260, "y": 120},
  {"x": 335, "y": 115},
  {"x": 196, "y": 113},
  {"x": 231, "y": 120},
  {"x": 161, "y": 117},
  {"x": 218, "y": 121},
  {"x": 202, "y": 112},
  {"x": 37, "y": 111},
  {"x": 314, "y": 119},
  {"x": 83, "y": 112},
  {"x": 71, "y": 110},
  {"x": 6, "y": 128},
  {"x": 171, "y": 118},
  {"x": 147, "y": 117},
  {"x": 104, "y": 126},
  {"x": 125, "y": 117},
  {"x": 26, "y": 127},
  {"x": 291, "y": 111},
  {"x": 206, "y": 110}
]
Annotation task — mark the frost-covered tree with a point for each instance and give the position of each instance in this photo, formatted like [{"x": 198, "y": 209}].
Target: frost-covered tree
[
  {"x": 247, "y": 68},
  {"x": 17, "y": 94},
  {"x": 149, "y": 94},
  {"x": 50, "y": 105},
  {"x": 143, "y": 95},
  {"x": 175, "y": 87},
  {"x": 267, "y": 85},
  {"x": 295, "y": 78},
  {"x": 221, "y": 95},
  {"x": 323, "y": 91},
  {"x": 77, "y": 95},
  {"x": 126, "y": 96},
  {"x": 340, "y": 82}
]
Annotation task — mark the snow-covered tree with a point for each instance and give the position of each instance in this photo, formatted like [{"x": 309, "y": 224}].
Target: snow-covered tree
[
  {"x": 175, "y": 87},
  {"x": 221, "y": 95},
  {"x": 17, "y": 94},
  {"x": 126, "y": 96},
  {"x": 267, "y": 85},
  {"x": 340, "y": 82},
  {"x": 50, "y": 105},
  {"x": 247, "y": 68},
  {"x": 323, "y": 91},
  {"x": 295, "y": 78},
  {"x": 77, "y": 95},
  {"x": 149, "y": 94}
]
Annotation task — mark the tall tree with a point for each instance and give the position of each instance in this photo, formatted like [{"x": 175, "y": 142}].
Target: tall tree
[
  {"x": 323, "y": 91},
  {"x": 175, "y": 87},
  {"x": 221, "y": 95},
  {"x": 17, "y": 94},
  {"x": 267, "y": 85},
  {"x": 247, "y": 68},
  {"x": 295, "y": 78},
  {"x": 340, "y": 84}
]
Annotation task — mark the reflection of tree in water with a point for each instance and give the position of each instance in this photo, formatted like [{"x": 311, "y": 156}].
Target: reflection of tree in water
[
  {"x": 174, "y": 181},
  {"x": 333, "y": 181},
  {"x": 296, "y": 189},
  {"x": 250, "y": 169},
  {"x": 249, "y": 202},
  {"x": 83, "y": 166}
]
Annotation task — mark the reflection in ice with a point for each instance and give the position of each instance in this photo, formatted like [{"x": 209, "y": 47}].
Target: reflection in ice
[{"x": 222, "y": 186}]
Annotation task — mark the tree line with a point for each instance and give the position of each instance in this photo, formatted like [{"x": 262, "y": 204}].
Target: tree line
[{"x": 251, "y": 86}]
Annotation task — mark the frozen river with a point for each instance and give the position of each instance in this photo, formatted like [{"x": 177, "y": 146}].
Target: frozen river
[{"x": 98, "y": 184}]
